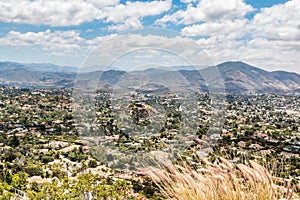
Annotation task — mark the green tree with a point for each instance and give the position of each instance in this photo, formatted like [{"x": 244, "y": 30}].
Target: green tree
[
  {"x": 20, "y": 181},
  {"x": 92, "y": 163},
  {"x": 14, "y": 142}
]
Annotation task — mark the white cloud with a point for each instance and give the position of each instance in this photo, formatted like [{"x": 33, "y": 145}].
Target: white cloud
[
  {"x": 67, "y": 43},
  {"x": 208, "y": 10},
  {"x": 103, "y": 3},
  {"x": 128, "y": 15},
  {"x": 136, "y": 9},
  {"x": 273, "y": 55},
  {"x": 131, "y": 23},
  {"x": 71, "y": 12},
  {"x": 54, "y": 12},
  {"x": 279, "y": 22},
  {"x": 188, "y": 1},
  {"x": 232, "y": 28}
]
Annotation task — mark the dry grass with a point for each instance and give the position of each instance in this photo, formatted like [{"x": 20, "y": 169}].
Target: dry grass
[{"x": 218, "y": 181}]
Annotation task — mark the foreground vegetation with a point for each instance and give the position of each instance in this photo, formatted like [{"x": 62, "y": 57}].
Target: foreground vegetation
[{"x": 219, "y": 181}]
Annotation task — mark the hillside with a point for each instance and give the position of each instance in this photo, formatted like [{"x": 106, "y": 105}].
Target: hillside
[{"x": 238, "y": 77}]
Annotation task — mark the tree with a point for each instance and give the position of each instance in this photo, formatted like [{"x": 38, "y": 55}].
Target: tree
[
  {"x": 19, "y": 180},
  {"x": 34, "y": 170},
  {"x": 7, "y": 176},
  {"x": 14, "y": 142},
  {"x": 9, "y": 156},
  {"x": 92, "y": 163},
  {"x": 1, "y": 189},
  {"x": 35, "y": 187}
]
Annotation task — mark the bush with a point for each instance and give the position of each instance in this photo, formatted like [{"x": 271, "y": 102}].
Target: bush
[
  {"x": 92, "y": 163},
  {"x": 9, "y": 156},
  {"x": 47, "y": 159},
  {"x": 34, "y": 170},
  {"x": 19, "y": 180}
]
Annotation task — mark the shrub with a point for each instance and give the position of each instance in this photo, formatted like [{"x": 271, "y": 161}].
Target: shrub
[
  {"x": 47, "y": 159},
  {"x": 34, "y": 170},
  {"x": 217, "y": 181}
]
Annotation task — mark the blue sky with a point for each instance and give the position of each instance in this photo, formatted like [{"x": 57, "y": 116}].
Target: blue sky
[{"x": 64, "y": 32}]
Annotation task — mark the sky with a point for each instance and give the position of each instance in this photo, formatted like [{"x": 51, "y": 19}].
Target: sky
[{"x": 263, "y": 33}]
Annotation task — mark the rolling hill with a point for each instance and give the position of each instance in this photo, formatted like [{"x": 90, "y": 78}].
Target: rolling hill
[{"x": 238, "y": 77}]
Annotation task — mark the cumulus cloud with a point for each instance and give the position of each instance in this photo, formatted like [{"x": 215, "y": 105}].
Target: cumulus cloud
[
  {"x": 232, "y": 28},
  {"x": 70, "y": 12},
  {"x": 188, "y": 1},
  {"x": 136, "y": 9},
  {"x": 279, "y": 22},
  {"x": 103, "y": 3},
  {"x": 55, "y": 43},
  {"x": 127, "y": 24},
  {"x": 275, "y": 35},
  {"x": 208, "y": 10},
  {"x": 54, "y": 13},
  {"x": 128, "y": 15}
]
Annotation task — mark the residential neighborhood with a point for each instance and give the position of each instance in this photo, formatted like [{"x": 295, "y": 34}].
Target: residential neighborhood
[{"x": 45, "y": 149}]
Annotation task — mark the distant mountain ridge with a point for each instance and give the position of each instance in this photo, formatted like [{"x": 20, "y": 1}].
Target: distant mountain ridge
[
  {"x": 47, "y": 67},
  {"x": 50, "y": 67},
  {"x": 243, "y": 78},
  {"x": 238, "y": 77}
]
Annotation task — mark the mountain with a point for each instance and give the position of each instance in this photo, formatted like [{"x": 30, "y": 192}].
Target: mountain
[
  {"x": 44, "y": 67},
  {"x": 10, "y": 66},
  {"x": 27, "y": 75},
  {"x": 291, "y": 80},
  {"x": 238, "y": 77},
  {"x": 49, "y": 67}
]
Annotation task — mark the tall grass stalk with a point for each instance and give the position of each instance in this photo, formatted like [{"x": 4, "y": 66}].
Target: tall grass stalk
[{"x": 217, "y": 181}]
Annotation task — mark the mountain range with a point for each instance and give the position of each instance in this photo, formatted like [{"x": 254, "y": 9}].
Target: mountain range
[{"x": 238, "y": 77}]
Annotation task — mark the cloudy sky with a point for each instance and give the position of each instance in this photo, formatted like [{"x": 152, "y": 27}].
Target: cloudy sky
[{"x": 264, "y": 33}]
